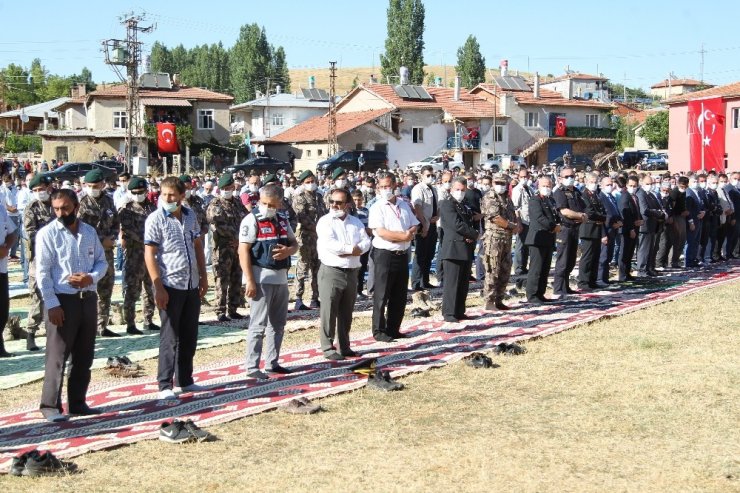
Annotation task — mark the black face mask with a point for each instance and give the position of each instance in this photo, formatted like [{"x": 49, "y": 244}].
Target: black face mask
[{"x": 68, "y": 219}]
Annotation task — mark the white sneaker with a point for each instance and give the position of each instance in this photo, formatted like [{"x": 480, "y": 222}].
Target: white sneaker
[
  {"x": 193, "y": 387},
  {"x": 167, "y": 395}
]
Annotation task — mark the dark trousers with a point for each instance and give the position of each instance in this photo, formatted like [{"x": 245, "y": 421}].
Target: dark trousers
[
  {"x": 606, "y": 255},
  {"x": 456, "y": 287},
  {"x": 692, "y": 243},
  {"x": 679, "y": 239},
  {"x": 4, "y": 302},
  {"x": 363, "y": 270},
  {"x": 708, "y": 232},
  {"x": 722, "y": 233},
  {"x": 389, "y": 295},
  {"x": 646, "y": 253},
  {"x": 337, "y": 291},
  {"x": 732, "y": 237},
  {"x": 423, "y": 254},
  {"x": 565, "y": 259},
  {"x": 521, "y": 252},
  {"x": 540, "y": 260},
  {"x": 625, "y": 260},
  {"x": 440, "y": 272},
  {"x": 665, "y": 243},
  {"x": 74, "y": 339},
  {"x": 588, "y": 268},
  {"x": 178, "y": 337}
]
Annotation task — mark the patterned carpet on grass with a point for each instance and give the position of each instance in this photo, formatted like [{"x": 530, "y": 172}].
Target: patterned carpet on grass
[{"x": 132, "y": 412}]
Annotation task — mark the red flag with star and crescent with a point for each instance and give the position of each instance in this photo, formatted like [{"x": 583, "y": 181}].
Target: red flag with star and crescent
[
  {"x": 707, "y": 134},
  {"x": 560, "y": 126},
  {"x": 166, "y": 138}
]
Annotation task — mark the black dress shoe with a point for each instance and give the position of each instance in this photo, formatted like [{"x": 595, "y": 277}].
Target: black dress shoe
[
  {"x": 450, "y": 318},
  {"x": 109, "y": 333},
  {"x": 151, "y": 326},
  {"x": 571, "y": 291},
  {"x": 546, "y": 300},
  {"x": 133, "y": 331},
  {"x": 334, "y": 356},
  {"x": 400, "y": 335},
  {"x": 85, "y": 411},
  {"x": 500, "y": 305},
  {"x": 31, "y": 342},
  {"x": 223, "y": 318},
  {"x": 429, "y": 286},
  {"x": 464, "y": 317},
  {"x": 280, "y": 370},
  {"x": 381, "y": 337},
  {"x": 235, "y": 316},
  {"x": 535, "y": 301},
  {"x": 350, "y": 354}
]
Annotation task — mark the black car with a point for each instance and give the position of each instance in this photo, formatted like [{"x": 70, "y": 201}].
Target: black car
[
  {"x": 73, "y": 171},
  {"x": 578, "y": 163},
  {"x": 349, "y": 161},
  {"x": 111, "y": 163},
  {"x": 260, "y": 164},
  {"x": 630, "y": 159}
]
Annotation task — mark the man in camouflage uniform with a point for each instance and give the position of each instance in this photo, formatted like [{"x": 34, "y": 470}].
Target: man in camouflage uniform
[
  {"x": 225, "y": 214},
  {"x": 309, "y": 207},
  {"x": 97, "y": 210},
  {"x": 38, "y": 213},
  {"x": 132, "y": 215},
  {"x": 501, "y": 223},
  {"x": 194, "y": 202}
]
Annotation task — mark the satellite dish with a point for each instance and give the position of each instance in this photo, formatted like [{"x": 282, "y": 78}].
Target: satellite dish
[{"x": 24, "y": 117}]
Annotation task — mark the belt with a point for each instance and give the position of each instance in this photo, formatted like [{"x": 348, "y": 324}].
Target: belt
[
  {"x": 78, "y": 295},
  {"x": 343, "y": 269},
  {"x": 393, "y": 252}
]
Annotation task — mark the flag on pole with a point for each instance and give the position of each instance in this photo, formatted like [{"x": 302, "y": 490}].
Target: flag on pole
[
  {"x": 707, "y": 134},
  {"x": 166, "y": 139}
]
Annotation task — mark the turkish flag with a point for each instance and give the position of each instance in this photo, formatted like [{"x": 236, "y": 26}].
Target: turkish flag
[
  {"x": 166, "y": 138},
  {"x": 707, "y": 134},
  {"x": 560, "y": 127}
]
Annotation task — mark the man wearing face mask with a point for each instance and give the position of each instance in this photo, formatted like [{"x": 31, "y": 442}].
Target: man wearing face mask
[
  {"x": 664, "y": 237},
  {"x": 695, "y": 220},
  {"x": 501, "y": 224},
  {"x": 338, "y": 180},
  {"x": 132, "y": 216},
  {"x": 194, "y": 202},
  {"x": 309, "y": 207},
  {"x": 544, "y": 224},
  {"x": 10, "y": 195},
  {"x": 612, "y": 224},
  {"x": 592, "y": 234},
  {"x": 342, "y": 240},
  {"x": 653, "y": 218},
  {"x": 8, "y": 234},
  {"x": 121, "y": 195},
  {"x": 97, "y": 210},
  {"x": 425, "y": 204},
  {"x": 225, "y": 214},
  {"x": 708, "y": 187},
  {"x": 680, "y": 217},
  {"x": 725, "y": 219},
  {"x": 443, "y": 193},
  {"x": 69, "y": 261},
  {"x": 630, "y": 209},
  {"x": 733, "y": 239},
  {"x": 570, "y": 205},
  {"x": 520, "y": 196}
]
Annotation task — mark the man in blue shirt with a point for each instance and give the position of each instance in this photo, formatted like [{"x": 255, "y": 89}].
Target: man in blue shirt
[{"x": 177, "y": 267}]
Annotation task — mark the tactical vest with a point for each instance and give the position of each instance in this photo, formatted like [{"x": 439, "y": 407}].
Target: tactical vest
[{"x": 270, "y": 232}]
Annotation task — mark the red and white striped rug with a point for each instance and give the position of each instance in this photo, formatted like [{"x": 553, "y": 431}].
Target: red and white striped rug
[{"x": 133, "y": 413}]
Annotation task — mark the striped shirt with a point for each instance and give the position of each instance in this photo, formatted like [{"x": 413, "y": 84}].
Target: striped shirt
[
  {"x": 60, "y": 253},
  {"x": 175, "y": 250}
]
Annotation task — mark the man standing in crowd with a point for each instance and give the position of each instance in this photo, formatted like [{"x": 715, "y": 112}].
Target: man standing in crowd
[
  {"x": 342, "y": 240},
  {"x": 680, "y": 215},
  {"x": 520, "y": 196},
  {"x": 443, "y": 193},
  {"x": 362, "y": 213},
  {"x": 711, "y": 219},
  {"x": 665, "y": 236},
  {"x": 725, "y": 219},
  {"x": 266, "y": 243},
  {"x": 592, "y": 235},
  {"x": 653, "y": 217},
  {"x": 501, "y": 224},
  {"x": 177, "y": 266},
  {"x": 695, "y": 207},
  {"x": 544, "y": 224},
  {"x": 309, "y": 207},
  {"x": 225, "y": 214},
  {"x": 8, "y": 235},
  {"x": 424, "y": 201},
  {"x": 394, "y": 226},
  {"x": 132, "y": 216},
  {"x": 569, "y": 204},
  {"x": 612, "y": 224},
  {"x": 97, "y": 210},
  {"x": 69, "y": 262},
  {"x": 10, "y": 194},
  {"x": 630, "y": 210},
  {"x": 456, "y": 252}
]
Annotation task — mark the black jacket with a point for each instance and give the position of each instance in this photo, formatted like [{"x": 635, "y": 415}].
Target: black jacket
[
  {"x": 542, "y": 222},
  {"x": 650, "y": 210},
  {"x": 593, "y": 227},
  {"x": 458, "y": 221},
  {"x": 630, "y": 212}
]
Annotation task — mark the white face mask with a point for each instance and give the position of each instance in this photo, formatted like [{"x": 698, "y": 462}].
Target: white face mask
[
  {"x": 664, "y": 194},
  {"x": 94, "y": 192},
  {"x": 545, "y": 191},
  {"x": 703, "y": 184},
  {"x": 429, "y": 180},
  {"x": 311, "y": 187},
  {"x": 607, "y": 189},
  {"x": 338, "y": 213},
  {"x": 267, "y": 212},
  {"x": 647, "y": 188},
  {"x": 410, "y": 183},
  {"x": 484, "y": 188},
  {"x": 253, "y": 187},
  {"x": 499, "y": 189},
  {"x": 340, "y": 183},
  {"x": 187, "y": 194},
  {"x": 734, "y": 183},
  {"x": 446, "y": 185},
  {"x": 458, "y": 195},
  {"x": 591, "y": 187},
  {"x": 397, "y": 192},
  {"x": 631, "y": 190},
  {"x": 228, "y": 194},
  {"x": 170, "y": 206},
  {"x": 568, "y": 182},
  {"x": 139, "y": 197},
  {"x": 43, "y": 196},
  {"x": 712, "y": 186},
  {"x": 385, "y": 193}
]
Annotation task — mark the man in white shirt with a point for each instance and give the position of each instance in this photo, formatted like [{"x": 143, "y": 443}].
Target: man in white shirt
[
  {"x": 394, "y": 226},
  {"x": 342, "y": 240},
  {"x": 8, "y": 235},
  {"x": 424, "y": 200},
  {"x": 520, "y": 196},
  {"x": 10, "y": 193}
]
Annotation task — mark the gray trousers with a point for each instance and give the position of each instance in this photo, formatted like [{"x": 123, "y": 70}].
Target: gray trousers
[
  {"x": 337, "y": 291},
  {"x": 679, "y": 239},
  {"x": 267, "y": 316}
]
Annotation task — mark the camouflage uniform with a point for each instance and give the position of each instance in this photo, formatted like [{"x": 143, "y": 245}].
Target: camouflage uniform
[
  {"x": 132, "y": 217},
  {"x": 36, "y": 215},
  {"x": 224, "y": 216},
  {"x": 101, "y": 214},
  {"x": 309, "y": 207},
  {"x": 199, "y": 207},
  {"x": 497, "y": 245}
]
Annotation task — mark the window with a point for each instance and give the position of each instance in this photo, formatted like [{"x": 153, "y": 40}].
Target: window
[
  {"x": 205, "y": 120},
  {"x": 277, "y": 120},
  {"x": 498, "y": 135},
  {"x": 417, "y": 135},
  {"x": 308, "y": 153},
  {"x": 319, "y": 152},
  {"x": 592, "y": 120},
  {"x": 735, "y": 117},
  {"x": 381, "y": 147},
  {"x": 62, "y": 153},
  {"x": 358, "y": 147},
  {"x": 120, "y": 119},
  {"x": 531, "y": 119}
]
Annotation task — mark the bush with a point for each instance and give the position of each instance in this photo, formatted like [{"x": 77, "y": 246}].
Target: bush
[{"x": 22, "y": 143}]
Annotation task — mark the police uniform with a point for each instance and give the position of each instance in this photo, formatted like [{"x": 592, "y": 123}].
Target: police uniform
[
  {"x": 100, "y": 213},
  {"x": 567, "y": 239},
  {"x": 497, "y": 240},
  {"x": 224, "y": 216},
  {"x": 543, "y": 220},
  {"x": 591, "y": 233},
  {"x": 309, "y": 207}
]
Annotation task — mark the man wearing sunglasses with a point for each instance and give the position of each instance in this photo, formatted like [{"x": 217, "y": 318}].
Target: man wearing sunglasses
[{"x": 570, "y": 205}]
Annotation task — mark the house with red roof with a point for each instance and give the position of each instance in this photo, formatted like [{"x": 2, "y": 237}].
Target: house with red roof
[{"x": 675, "y": 87}]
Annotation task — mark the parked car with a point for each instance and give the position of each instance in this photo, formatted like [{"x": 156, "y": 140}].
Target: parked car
[
  {"x": 436, "y": 163},
  {"x": 502, "y": 161},
  {"x": 260, "y": 164},
  {"x": 112, "y": 163},
  {"x": 655, "y": 162},
  {"x": 630, "y": 159},
  {"x": 348, "y": 160},
  {"x": 578, "y": 163},
  {"x": 73, "y": 171}
]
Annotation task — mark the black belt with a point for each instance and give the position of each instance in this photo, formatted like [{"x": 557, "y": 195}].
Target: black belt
[
  {"x": 343, "y": 269},
  {"x": 393, "y": 252},
  {"x": 80, "y": 295}
]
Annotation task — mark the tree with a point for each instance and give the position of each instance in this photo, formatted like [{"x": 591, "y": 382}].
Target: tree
[
  {"x": 625, "y": 135},
  {"x": 160, "y": 59},
  {"x": 471, "y": 66},
  {"x": 249, "y": 62},
  {"x": 655, "y": 130},
  {"x": 16, "y": 87},
  {"x": 37, "y": 80},
  {"x": 279, "y": 68},
  {"x": 404, "y": 44}
]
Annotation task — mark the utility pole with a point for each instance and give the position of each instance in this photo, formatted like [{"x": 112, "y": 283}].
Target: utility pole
[
  {"x": 265, "y": 121},
  {"x": 332, "y": 140},
  {"x": 701, "y": 64},
  {"x": 127, "y": 53}
]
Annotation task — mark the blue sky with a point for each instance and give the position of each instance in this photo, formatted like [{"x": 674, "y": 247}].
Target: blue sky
[{"x": 639, "y": 42}]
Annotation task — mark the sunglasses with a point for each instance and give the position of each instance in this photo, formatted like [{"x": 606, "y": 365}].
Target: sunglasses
[
  {"x": 569, "y": 176},
  {"x": 336, "y": 202}
]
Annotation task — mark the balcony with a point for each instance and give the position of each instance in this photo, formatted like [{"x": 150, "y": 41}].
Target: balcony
[
  {"x": 587, "y": 133},
  {"x": 457, "y": 143}
]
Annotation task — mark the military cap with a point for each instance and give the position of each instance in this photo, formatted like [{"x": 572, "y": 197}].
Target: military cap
[
  {"x": 225, "y": 180},
  {"x": 500, "y": 177},
  {"x": 137, "y": 183},
  {"x": 186, "y": 179},
  {"x": 39, "y": 180},
  {"x": 337, "y": 173},
  {"x": 271, "y": 178},
  {"x": 94, "y": 176},
  {"x": 304, "y": 175}
]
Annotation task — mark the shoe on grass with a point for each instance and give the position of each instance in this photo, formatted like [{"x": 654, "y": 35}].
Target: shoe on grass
[
  {"x": 479, "y": 360},
  {"x": 197, "y": 434},
  {"x": 175, "y": 432},
  {"x": 45, "y": 464}
]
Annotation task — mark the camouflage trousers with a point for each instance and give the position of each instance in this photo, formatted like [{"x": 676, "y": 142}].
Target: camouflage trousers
[
  {"x": 308, "y": 265},
  {"x": 36, "y": 305},
  {"x": 105, "y": 292},
  {"x": 134, "y": 276},
  {"x": 497, "y": 266},
  {"x": 228, "y": 274}
]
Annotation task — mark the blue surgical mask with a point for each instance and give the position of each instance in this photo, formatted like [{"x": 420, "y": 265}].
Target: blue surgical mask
[{"x": 170, "y": 206}]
